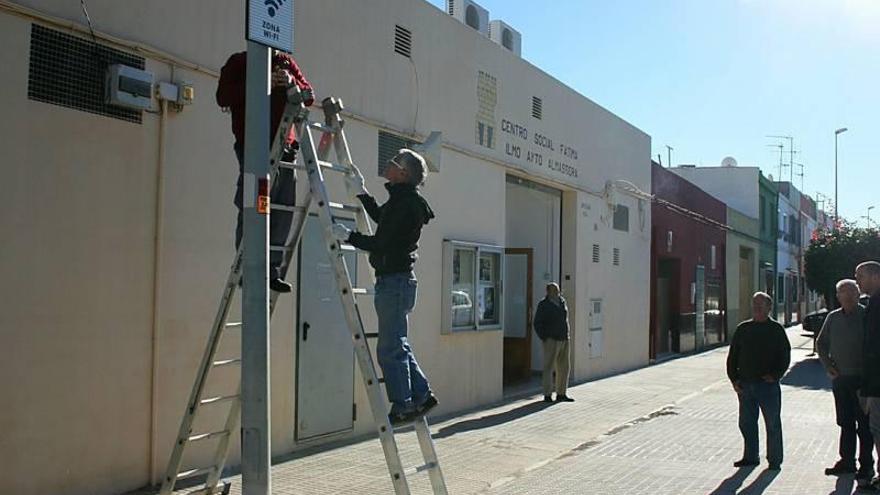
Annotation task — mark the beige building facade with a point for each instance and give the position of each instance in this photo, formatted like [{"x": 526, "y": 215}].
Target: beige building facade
[
  {"x": 121, "y": 228},
  {"x": 743, "y": 243}
]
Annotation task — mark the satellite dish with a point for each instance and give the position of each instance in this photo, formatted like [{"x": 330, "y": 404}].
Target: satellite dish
[{"x": 728, "y": 162}]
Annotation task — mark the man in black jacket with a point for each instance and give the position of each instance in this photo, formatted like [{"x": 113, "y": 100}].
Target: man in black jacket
[
  {"x": 868, "y": 278},
  {"x": 551, "y": 325},
  {"x": 759, "y": 355},
  {"x": 392, "y": 255}
]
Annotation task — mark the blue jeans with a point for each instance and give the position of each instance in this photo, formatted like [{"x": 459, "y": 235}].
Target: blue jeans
[
  {"x": 405, "y": 383},
  {"x": 768, "y": 398},
  {"x": 283, "y": 192}
]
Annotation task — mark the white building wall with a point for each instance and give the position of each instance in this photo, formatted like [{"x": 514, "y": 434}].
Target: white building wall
[
  {"x": 736, "y": 186},
  {"x": 120, "y": 252}
]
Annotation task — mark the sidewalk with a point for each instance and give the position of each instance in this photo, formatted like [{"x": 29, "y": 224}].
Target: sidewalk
[{"x": 669, "y": 428}]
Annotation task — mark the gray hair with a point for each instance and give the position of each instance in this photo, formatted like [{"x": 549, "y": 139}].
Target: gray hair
[
  {"x": 413, "y": 163},
  {"x": 847, "y": 282},
  {"x": 768, "y": 301}
]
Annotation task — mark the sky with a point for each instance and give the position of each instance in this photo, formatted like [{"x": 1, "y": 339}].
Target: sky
[{"x": 713, "y": 78}]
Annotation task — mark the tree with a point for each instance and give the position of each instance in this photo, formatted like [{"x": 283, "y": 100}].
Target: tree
[{"x": 834, "y": 254}]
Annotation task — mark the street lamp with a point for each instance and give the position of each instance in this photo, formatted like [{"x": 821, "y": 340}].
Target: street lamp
[{"x": 838, "y": 132}]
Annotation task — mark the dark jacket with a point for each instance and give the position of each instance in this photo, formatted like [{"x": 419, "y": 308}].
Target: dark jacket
[
  {"x": 231, "y": 92},
  {"x": 551, "y": 320},
  {"x": 758, "y": 349},
  {"x": 871, "y": 362},
  {"x": 399, "y": 225}
]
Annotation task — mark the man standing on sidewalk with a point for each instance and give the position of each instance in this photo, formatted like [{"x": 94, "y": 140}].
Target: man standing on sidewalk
[
  {"x": 840, "y": 345},
  {"x": 759, "y": 355},
  {"x": 551, "y": 325},
  {"x": 868, "y": 278},
  {"x": 392, "y": 255}
]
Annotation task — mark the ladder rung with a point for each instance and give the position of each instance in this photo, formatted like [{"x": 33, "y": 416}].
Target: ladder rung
[
  {"x": 218, "y": 399},
  {"x": 423, "y": 467},
  {"x": 208, "y": 436},
  {"x": 347, "y": 247},
  {"x": 280, "y": 248},
  {"x": 342, "y": 207},
  {"x": 194, "y": 472},
  {"x": 372, "y": 335},
  {"x": 334, "y": 166},
  {"x": 294, "y": 209},
  {"x": 290, "y": 165},
  {"x": 226, "y": 362},
  {"x": 361, "y": 291},
  {"x": 321, "y": 127},
  {"x": 235, "y": 324}
]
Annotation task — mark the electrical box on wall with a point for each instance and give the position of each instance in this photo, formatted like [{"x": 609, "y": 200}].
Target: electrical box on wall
[{"x": 129, "y": 87}]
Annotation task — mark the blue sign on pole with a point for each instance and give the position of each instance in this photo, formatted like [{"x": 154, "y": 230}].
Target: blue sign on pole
[{"x": 270, "y": 23}]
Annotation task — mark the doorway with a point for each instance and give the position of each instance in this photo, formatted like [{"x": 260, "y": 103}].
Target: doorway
[
  {"x": 324, "y": 350},
  {"x": 517, "y": 315}
]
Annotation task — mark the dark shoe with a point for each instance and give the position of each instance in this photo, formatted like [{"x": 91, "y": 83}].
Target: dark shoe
[
  {"x": 279, "y": 285},
  {"x": 745, "y": 463},
  {"x": 548, "y": 398},
  {"x": 840, "y": 468},
  {"x": 429, "y": 403},
  {"x": 400, "y": 419},
  {"x": 774, "y": 466},
  {"x": 563, "y": 398},
  {"x": 865, "y": 473}
]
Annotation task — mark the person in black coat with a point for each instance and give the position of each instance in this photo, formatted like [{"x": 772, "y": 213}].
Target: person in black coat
[{"x": 551, "y": 325}]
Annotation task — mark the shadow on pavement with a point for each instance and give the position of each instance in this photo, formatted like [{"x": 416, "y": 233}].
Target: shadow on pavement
[
  {"x": 761, "y": 483},
  {"x": 809, "y": 374},
  {"x": 493, "y": 420},
  {"x": 732, "y": 484}
]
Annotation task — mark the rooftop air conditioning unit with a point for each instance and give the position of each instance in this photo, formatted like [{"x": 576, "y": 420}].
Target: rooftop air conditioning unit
[
  {"x": 506, "y": 36},
  {"x": 469, "y": 13}
]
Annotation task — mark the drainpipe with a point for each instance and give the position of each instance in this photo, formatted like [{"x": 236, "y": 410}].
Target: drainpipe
[{"x": 157, "y": 271}]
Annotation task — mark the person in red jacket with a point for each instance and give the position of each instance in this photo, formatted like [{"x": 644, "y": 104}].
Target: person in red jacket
[{"x": 231, "y": 95}]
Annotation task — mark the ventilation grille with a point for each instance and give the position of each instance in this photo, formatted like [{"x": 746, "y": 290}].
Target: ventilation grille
[
  {"x": 69, "y": 71},
  {"x": 616, "y": 260},
  {"x": 450, "y": 7},
  {"x": 537, "y": 107},
  {"x": 389, "y": 145},
  {"x": 595, "y": 253},
  {"x": 402, "y": 41}
]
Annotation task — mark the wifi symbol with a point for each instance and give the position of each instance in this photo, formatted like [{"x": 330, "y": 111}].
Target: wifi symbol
[{"x": 273, "y": 6}]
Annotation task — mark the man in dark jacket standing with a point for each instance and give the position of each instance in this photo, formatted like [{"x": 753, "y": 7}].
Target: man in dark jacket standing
[
  {"x": 231, "y": 95},
  {"x": 868, "y": 278},
  {"x": 759, "y": 355},
  {"x": 392, "y": 255},
  {"x": 551, "y": 325}
]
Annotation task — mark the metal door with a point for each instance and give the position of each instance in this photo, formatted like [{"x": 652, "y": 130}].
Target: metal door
[
  {"x": 325, "y": 355},
  {"x": 517, "y": 314}
]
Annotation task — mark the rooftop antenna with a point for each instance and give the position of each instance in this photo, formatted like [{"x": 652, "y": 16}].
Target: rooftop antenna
[
  {"x": 801, "y": 174},
  {"x": 791, "y": 155},
  {"x": 669, "y": 155},
  {"x": 781, "y": 165}
]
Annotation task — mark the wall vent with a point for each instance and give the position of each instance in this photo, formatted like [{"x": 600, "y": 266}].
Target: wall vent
[
  {"x": 616, "y": 257},
  {"x": 402, "y": 41},
  {"x": 69, "y": 71},
  {"x": 389, "y": 145},
  {"x": 595, "y": 253},
  {"x": 537, "y": 107}
]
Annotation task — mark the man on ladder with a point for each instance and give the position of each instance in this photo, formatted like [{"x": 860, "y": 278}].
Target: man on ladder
[
  {"x": 231, "y": 95},
  {"x": 392, "y": 255}
]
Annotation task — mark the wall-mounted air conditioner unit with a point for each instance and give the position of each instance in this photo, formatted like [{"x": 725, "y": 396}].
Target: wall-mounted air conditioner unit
[
  {"x": 470, "y": 13},
  {"x": 506, "y": 36}
]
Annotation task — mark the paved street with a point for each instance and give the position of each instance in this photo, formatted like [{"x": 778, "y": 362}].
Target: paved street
[{"x": 664, "y": 429}]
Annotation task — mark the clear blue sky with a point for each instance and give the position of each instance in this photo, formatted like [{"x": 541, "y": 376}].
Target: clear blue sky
[{"x": 712, "y": 78}]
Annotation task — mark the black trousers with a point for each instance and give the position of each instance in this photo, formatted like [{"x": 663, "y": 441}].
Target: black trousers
[
  {"x": 853, "y": 422},
  {"x": 283, "y": 193}
]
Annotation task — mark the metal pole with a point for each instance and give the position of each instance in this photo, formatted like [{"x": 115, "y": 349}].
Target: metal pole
[
  {"x": 836, "y": 212},
  {"x": 669, "y": 155},
  {"x": 255, "y": 404}
]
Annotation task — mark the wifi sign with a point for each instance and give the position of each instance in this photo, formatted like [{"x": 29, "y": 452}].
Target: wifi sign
[{"x": 272, "y": 6}]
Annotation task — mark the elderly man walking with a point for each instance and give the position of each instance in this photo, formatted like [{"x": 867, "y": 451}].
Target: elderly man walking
[
  {"x": 840, "y": 345},
  {"x": 759, "y": 355},
  {"x": 551, "y": 325}
]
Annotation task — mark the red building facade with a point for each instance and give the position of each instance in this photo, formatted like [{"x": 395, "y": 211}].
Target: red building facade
[{"x": 688, "y": 237}]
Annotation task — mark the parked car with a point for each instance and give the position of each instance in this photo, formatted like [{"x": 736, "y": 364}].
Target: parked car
[{"x": 813, "y": 321}]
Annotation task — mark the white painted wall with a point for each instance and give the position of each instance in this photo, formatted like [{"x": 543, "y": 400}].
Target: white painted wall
[{"x": 736, "y": 186}]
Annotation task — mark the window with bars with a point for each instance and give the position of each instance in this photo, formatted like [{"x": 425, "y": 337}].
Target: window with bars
[
  {"x": 69, "y": 71},
  {"x": 402, "y": 41},
  {"x": 621, "y": 218},
  {"x": 389, "y": 145}
]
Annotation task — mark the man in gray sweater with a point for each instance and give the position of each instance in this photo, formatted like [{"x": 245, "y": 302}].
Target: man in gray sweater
[{"x": 841, "y": 346}]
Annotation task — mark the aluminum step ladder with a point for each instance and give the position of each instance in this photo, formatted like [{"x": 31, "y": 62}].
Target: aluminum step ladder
[{"x": 313, "y": 160}]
